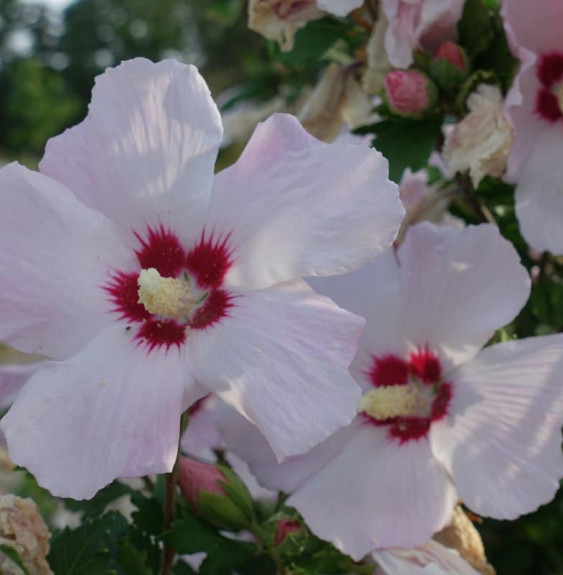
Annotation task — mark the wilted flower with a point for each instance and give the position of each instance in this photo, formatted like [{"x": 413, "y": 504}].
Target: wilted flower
[
  {"x": 535, "y": 107},
  {"x": 151, "y": 278},
  {"x": 23, "y": 530},
  {"x": 440, "y": 418},
  {"x": 377, "y": 62},
  {"x": 430, "y": 559},
  {"x": 279, "y": 20},
  {"x": 337, "y": 99},
  {"x": 418, "y": 24},
  {"x": 410, "y": 93},
  {"x": 481, "y": 141}
]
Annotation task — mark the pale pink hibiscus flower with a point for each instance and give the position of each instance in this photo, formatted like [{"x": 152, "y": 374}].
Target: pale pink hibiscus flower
[
  {"x": 151, "y": 282},
  {"x": 418, "y": 24},
  {"x": 535, "y": 106},
  {"x": 440, "y": 418}
]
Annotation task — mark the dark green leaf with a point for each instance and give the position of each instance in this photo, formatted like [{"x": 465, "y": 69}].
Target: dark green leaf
[
  {"x": 89, "y": 549},
  {"x": 224, "y": 12},
  {"x": 475, "y": 27},
  {"x": 406, "y": 143},
  {"x": 132, "y": 560},
  {"x": 97, "y": 505},
  {"x": 190, "y": 535},
  {"x": 13, "y": 555}
]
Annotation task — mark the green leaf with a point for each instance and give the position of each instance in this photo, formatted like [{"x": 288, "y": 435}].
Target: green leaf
[
  {"x": 312, "y": 43},
  {"x": 406, "y": 143},
  {"x": 89, "y": 549},
  {"x": 132, "y": 560},
  {"x": 182, "y": 568},
  {"x": 224, "y": 12},
  {"x": 148, "y": 517},
  {"x": 13, "y": 555},
  {"x": 475, "y": 27},
  {"x": 98, "y": 504},
  {"x": 190, "y": 535}
]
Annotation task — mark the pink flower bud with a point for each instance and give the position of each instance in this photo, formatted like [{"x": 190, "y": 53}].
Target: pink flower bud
[
  {"x": 453, "y": 54},
  {"x": 195, "y": 476},
  {"x": 284, "y": 528},
  {"x": 409, "y": 93}
]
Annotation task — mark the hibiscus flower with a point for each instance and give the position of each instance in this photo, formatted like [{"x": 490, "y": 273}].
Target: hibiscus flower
[
  {"x": 440, "y": 418},
  {"x": 535, "y": 106},
  {"x": 149, "y": 282}
]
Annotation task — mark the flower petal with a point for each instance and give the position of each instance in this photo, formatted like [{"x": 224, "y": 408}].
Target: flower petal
[
  {"x": 539, "y": 194},
  {"x": 504, "y": 450},
  {"x": 245, "y": 440},
  {"x": 339, "y": 7},
  {"x": 294, "y": 206},
  {"x": 432, "y": 558},
  {"x": 110, "y": 411},
  {"x": 145, "y": 153},
  {"x": 12, "y": 378},
  {"x": 377, "y": 493},
  {"x": 281, "y": 359},
  {"x": 459, "y": 286},
  {"x": 536, "y": 25},
  {"x": 374, "y": 293},
  {"x": 56, "y": 254}
]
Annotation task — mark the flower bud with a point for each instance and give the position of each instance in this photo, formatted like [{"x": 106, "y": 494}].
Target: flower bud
[
  {"x": 450, "y": 66},
  {"x": 410, "y": 93},
  {"x": 216, "y": 493},
  {"x": 284, "y": 528}
]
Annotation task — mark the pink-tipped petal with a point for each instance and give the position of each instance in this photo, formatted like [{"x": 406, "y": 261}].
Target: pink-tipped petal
[
  {"x": 144, "y": 155},
  {"x": 504, "y": 449},
  {"x": 281, "y": 358},
  {"x": 110, "y": 411},
  {"x": 377, "y": 493},
  {"x": 297, "y": 207},
  {"x": 459, "y": 286},
  {"x": 56, "y": 256}
]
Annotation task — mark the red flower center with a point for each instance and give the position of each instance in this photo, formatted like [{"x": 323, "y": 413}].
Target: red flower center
[
  {"x": 408, "y": 395},
  {"x": 550, "y": 74},
  {"x": 202, "y": 269}
]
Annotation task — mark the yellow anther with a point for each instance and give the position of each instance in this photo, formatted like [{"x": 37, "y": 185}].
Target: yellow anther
[
  {"x": 168, "y": 297},
  {"x": 394, "y": 401}
]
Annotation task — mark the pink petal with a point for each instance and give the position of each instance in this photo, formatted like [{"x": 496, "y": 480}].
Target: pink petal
[
  {"x": 202, "y": 437},
  {"x": 372, "y": 292},
  {"x": 377, "y": 493},
  {"x": 245, "y": 440},
  {"x": 539, "y": 197},
  {"x": 537, "y": 24},
  {"x": 459, "y": 286},
  {"x": 504, "y": 450},
  {"x": 145, "y": 153},
  {"x": 296, "y": 207},
  {"x": 281, "y": 358},
  {"x": 56, "y": 254},
  {"x": 110, "y": 411},
  {"x": 12, "y": 378}
]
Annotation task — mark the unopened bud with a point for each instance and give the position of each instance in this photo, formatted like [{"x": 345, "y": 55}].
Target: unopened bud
[
  {"x": 450, "y": 66},
  {"x": 216, "y": 493},
  {"x": 410, "y": 93},
  {"x": 284, "y": 528}
]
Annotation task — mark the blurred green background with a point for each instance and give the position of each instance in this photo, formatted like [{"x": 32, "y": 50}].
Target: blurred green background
[{"x": 50, "y": 53}]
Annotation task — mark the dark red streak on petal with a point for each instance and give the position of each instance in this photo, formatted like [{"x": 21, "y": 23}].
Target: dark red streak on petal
[
  {"x": 209, "y": 260},
  {"x": 161, "y": 250}
]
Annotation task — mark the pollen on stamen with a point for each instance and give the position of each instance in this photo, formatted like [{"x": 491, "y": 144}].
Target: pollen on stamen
[
  {"x": 167, "y": 297},
  {"x": 393, "y": 401}
]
